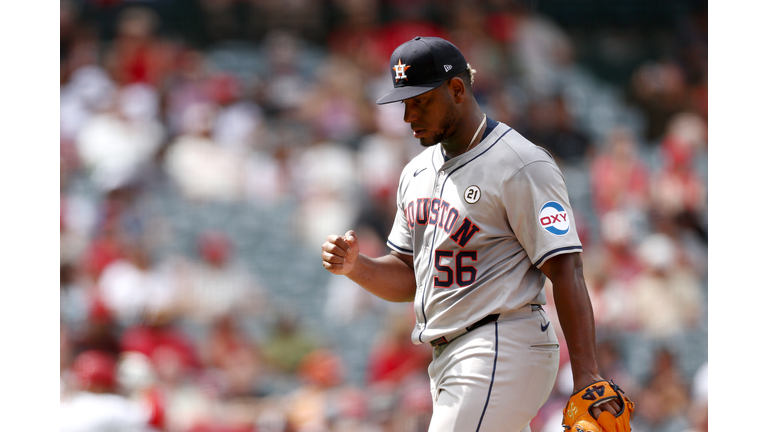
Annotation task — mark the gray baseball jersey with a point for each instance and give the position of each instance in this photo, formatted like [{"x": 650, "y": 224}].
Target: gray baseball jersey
[{"x": 479, "y": 226}]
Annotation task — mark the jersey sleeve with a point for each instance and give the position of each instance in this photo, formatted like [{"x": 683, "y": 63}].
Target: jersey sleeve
[
  {"x": 540, "y": 213},
  {"x": 400, "y": 238}
]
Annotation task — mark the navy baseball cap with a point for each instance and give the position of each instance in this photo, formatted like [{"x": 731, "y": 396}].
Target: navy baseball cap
[{"x": 420, "y": 65}]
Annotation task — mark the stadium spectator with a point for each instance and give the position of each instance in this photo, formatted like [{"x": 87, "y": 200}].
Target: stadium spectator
[
  {"x": 136, "y": 54},
  {"x": 659, "y": 89},
  {"x": 102, "y": 331},
  {"x": 619, "y": 178},
  {"x": 216, "y": 283},
  {"x": 96, "y": 405},
  {"x": 118, "y": 143},
  {"x": 288, "y": 344},
  {"x": 543, "y": 50},
  {"x": 665, "y": 297},
  {"x": 324, "y": 178},
  {"x": 288, "y": 71},
  {"x": 178, "y": 118},
  {"x": 662, "y": 402},
  {"x": 550, "y": 125},
  {"x": 186, "y": 86},
  {"x": 88, "y": 91},
  {"x": 324, "y": 402},
  {"x": 346, "y": 304},
  {"x": 678, "y": 191},
  {"x": 133, "y": 288},
  {"x": 200, "y": 167},
  {"x": 393, "y": 360},
  {"x": 239, "y": 124},
  {"x": 698, "y": 413},
  {"x": 234, "y": 357},
  {"x": 75, "y": 295},
  {"x": 334, "y": 107},
  {"x": 382, "y": 153}
]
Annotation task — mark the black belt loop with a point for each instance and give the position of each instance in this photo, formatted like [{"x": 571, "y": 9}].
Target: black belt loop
[
  {"x": 487, "y": 320},
  {"x": 439, "y": 341}
]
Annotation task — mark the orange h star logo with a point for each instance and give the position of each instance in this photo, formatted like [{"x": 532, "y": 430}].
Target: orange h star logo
[{"x": 400, "y": 69}]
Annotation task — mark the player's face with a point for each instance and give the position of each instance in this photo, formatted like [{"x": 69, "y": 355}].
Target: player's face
[{"x": 433, "y": 116}]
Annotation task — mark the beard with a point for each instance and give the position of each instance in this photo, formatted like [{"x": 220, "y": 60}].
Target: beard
[{"x": 446, "y": 128}]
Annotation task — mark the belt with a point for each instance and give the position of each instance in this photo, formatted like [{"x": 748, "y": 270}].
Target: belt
[{"x": 443, "y": 340}]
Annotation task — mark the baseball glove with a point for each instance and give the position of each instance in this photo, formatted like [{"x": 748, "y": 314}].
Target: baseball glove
[{"x": 577, "y": 415}]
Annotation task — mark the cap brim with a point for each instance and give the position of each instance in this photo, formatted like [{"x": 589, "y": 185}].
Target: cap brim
[{"x": 402, "y": 93}]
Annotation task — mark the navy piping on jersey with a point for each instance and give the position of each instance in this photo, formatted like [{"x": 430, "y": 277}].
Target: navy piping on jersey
[
  {"x": 541, "y": 260},
  {"x": 493, "y": 374},
  {"x": 399, "y": 249},
  {"x": 434, "y": 233}
]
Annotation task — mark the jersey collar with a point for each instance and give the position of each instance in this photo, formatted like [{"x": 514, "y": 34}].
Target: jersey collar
[{"x": 490, "y": 125}]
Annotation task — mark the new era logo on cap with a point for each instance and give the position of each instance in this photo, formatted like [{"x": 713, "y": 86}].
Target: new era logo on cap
[{"x": 420, "y": 65}]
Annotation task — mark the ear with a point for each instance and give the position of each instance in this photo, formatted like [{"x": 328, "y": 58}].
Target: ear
[{"x": 456, "y": 89}]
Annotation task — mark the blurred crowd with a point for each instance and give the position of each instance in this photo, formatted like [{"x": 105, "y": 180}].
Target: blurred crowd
[{"x": 217, "y": 105}]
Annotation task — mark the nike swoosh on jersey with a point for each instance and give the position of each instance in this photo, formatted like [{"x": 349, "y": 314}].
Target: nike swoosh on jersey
[
  {"x": 418, "y": 172},
  {"x": 545, "y": 327}
]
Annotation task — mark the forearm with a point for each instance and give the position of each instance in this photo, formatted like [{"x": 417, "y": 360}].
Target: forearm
[
  {"x": 387, "y": 277},
  {"x": 574, "y": 311}
]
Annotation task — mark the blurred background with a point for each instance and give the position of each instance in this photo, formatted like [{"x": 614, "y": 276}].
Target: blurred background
[{"x": 208, "y": 147}]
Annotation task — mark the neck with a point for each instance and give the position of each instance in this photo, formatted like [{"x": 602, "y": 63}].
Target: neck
[{"x": 460, "y": 143}]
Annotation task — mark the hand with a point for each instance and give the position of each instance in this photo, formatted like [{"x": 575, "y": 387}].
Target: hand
[
  {"x": 611, "y": 405},
  {"x": 340, "y": 253},
  {"x": 601, "y": 405}
]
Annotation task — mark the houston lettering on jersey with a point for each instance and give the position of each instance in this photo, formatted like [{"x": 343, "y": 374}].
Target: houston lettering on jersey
[{"x": 436, "y": 211}]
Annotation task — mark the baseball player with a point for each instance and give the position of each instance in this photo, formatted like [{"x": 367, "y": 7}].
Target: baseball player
[{"x": 483, "y": 216}]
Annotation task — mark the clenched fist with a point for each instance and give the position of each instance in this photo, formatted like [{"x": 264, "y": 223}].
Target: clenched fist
[{"x": 340, "y": 253}]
